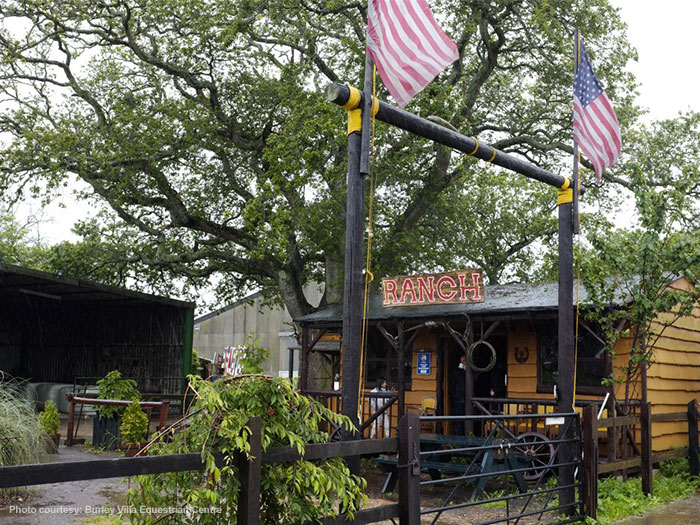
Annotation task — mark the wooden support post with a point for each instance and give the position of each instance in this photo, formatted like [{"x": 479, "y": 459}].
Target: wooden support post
[
  {"x": 304, "y": 360},
  {"x": 469, "y": 383},
  {"x": 565, "y": 376},
  {"x": 409, "y": 470},
  {"x": 71, "y": 422},
  {"x": 249, "y": 471},
  {"x": 647, "y": 481},
  {"x": 401, "y": 347},
  {"x": 440, "y": 391},
  {"x": 352, "y": 294},
  {"x": 163, "y": 420},
  {"x": 693, "y": 458},
  {"x": 590, "y": 461}
]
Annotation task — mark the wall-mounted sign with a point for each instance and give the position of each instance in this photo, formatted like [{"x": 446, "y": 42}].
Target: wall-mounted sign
[
  {"x": 461, "y": 286},
  {"x": 423, "y": 367}
]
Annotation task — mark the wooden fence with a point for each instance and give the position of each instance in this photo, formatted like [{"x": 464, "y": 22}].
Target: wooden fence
[
  {"x": 407, "y": 509},
  {"x": 646, "y": 458}
]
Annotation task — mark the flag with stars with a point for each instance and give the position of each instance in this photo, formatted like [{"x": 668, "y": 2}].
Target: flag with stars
[{"x": 596, "y": 129}]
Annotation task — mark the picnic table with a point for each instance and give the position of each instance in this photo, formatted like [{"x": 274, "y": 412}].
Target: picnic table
[{"x": 477, "y": 455}]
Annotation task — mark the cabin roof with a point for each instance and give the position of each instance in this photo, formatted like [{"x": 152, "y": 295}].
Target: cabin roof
[{"x": 499, "y": 300}]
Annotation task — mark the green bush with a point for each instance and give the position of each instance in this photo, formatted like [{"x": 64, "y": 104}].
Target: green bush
[
  {"x": 134, "y": 426},
  {"x": 292, "y": 492},
  {"x": 20, "y": 441},
  {"x": 112, "y": 386},
  {"x": 618, "y": 499},
  {"x": 48, "y": 418}
]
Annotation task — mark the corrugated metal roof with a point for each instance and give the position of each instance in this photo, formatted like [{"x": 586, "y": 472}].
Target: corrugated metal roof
[
  {"x": 499, "y": 299},
  {"x": 17, "y": 281}
]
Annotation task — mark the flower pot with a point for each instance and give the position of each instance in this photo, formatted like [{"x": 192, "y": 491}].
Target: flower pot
[
  {"x": 51, "y": 442},
  {"x": 131, "y": 449},
  {"x": 105, "y": 432}
]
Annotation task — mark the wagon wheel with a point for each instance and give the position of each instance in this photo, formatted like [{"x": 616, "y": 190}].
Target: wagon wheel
[{"x": 538, "y": 453}]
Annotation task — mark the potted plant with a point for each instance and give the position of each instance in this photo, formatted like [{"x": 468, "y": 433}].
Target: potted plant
[
  {"x": 134, "y": 429},
  {"x": 105, "y": 429},
  {"x": 49, "y": 422}
]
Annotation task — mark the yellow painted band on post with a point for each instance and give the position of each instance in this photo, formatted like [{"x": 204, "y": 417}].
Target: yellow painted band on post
[
  {"x": 565, "y": 194},
  {"x": 476, "y": 148},
  {"x": 354, "y": 120},
  {"x": 492, "y": 156},
  {"x": 354, "y": 99}
]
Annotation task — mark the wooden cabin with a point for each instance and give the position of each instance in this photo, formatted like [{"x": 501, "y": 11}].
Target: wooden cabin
[{"x": 520, "y": 323}]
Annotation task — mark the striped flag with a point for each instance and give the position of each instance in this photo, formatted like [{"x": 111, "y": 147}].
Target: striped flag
[
  {"x": 596, "y": 129},
  {"x": 408, "y": 46}
]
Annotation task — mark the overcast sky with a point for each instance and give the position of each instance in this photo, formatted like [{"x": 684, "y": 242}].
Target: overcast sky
[{"x": 663, "y": 33}]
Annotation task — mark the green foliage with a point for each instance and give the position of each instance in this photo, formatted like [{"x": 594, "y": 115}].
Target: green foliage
[
  {"x": 134, "y": 425},
  {"x": 635, "y": 267},
  {"x": 290, "y": 492},
  {"x": 202, "y": 128},
  {"x": 20, "y": 441},
  {"x": 112, "y": 386},
  {"x": 48, "y": 418},
  {"x": 254, "y": 358},
  {"x": 618, "y": 499}
]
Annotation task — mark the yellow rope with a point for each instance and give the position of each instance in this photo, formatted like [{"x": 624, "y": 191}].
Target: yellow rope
[{"x": 369, "y": 277}]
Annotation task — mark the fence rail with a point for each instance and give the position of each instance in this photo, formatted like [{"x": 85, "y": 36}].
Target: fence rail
[
  {"x": 249, "y": 470},
  {"x": 646, "y": 457}
]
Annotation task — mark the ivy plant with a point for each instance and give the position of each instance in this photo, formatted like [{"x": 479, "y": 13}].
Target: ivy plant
[
  {"x": 48, "y": 418},
  {"x": 112, "y": 386},
  {"x": 292, "y": 492},
  {"x": 134, "y": 425}
]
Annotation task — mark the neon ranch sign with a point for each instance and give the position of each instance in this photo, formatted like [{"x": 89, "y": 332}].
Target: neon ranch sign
[{"x": 461, "y": 286}]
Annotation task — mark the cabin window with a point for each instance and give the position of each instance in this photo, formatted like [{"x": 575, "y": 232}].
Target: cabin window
[
  {"x": 382, "y": 361},
  {"x": 592, "y": 363}
]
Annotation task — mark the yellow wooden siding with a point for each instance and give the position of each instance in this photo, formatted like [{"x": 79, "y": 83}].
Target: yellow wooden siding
[
  {"x": 674, "y": 377},
  {"x": 423, "y": 385}
]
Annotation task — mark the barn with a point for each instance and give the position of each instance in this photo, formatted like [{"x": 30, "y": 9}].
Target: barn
[
  {"x": 417, "y": 348},
  {"x": 57, "y": 331}
]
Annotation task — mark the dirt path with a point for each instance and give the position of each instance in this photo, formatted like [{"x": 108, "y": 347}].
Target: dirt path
[{"x": 72, "y": 502}]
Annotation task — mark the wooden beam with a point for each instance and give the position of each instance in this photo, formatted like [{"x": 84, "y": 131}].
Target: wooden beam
[
  {"x": 343, "y": 449},
  {"x": 340, "y": 93}
]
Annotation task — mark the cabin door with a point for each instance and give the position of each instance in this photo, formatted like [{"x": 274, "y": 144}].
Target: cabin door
[{"x": 493, "y": 382}]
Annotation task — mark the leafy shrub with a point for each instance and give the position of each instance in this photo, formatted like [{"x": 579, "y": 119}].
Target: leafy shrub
[
  {"x": 20, "y": 441},
  {"x": 618, "y": 499},
  {"x": 112, "y": 386},
  {"x": 293, "y": 492},
  {"x": 134, "y": 425},
  {"x": 48, "y": 418}
]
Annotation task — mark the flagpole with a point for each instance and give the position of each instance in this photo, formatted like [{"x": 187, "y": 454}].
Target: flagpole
[
  {"x": 575, "y": 177},
  {"x": 366, "y": 117}
]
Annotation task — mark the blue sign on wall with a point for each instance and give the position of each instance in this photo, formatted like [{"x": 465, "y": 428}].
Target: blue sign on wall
[{"x": 423, "y": 363}]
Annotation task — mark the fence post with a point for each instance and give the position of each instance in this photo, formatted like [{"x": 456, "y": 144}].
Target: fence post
[
  {"x": 409, "y": 469},
  {"x": 693, "y": 459},
  {"x": 249, "y": 471},
  {"x": 645, "y": 420},
  {"x": 590, "y": 460}
]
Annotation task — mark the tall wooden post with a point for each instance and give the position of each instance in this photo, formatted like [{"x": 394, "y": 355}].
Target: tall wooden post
[
  {"x": 304, "y": 360},
  {"x": 409, "y": 470},
  {"x": 645, "y": 423},
  {"x": 590, "y": 461},
  {"x": 352, "y": 294},
  {"x": 566, "y": 368},
  {"x": 693, "y": 456},
  {"x": 401, "y": 347}
]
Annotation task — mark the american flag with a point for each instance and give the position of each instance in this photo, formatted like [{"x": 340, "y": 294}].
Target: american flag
[
  {"x": 408, "y": 46},
  {"x": 596, "y": 129}
]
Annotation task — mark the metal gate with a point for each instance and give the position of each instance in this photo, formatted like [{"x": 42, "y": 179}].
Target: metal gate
[{"x": 493, "y": 468}]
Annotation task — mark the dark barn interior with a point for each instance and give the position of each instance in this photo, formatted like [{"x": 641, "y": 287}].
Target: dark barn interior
[{"x": 55, "y": 329}]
